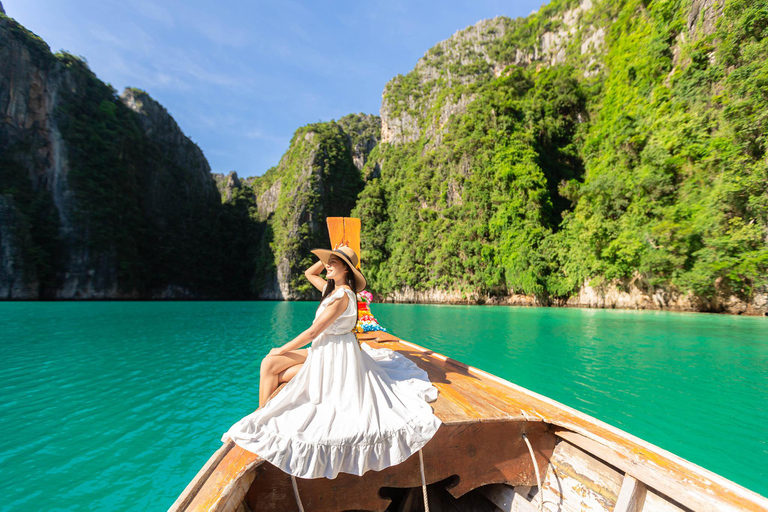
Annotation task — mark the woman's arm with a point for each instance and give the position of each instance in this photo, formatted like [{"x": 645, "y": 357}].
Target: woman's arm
[
  {"x": 326, "y": 318},
  {"x": 313, "y": 274}
]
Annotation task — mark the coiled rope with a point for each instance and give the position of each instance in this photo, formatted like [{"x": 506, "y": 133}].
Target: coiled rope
[
  {"x": 535, "y": 467},
  {"x": 296, "y": 493},
  {"x": 423, "y": 482}
]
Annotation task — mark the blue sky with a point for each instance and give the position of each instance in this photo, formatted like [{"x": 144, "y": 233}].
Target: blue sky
[{"x": 240, "y": 77}]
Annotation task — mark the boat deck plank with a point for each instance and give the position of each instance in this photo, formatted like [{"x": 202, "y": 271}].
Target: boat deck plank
[
  {"x": 488, "y": 398},
  {"x": 463, "y": 397}
]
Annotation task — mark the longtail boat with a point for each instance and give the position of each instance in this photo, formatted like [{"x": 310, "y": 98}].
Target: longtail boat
[
  {"x": 500, "y": 447},
  {"x": 480, "y": 460}
]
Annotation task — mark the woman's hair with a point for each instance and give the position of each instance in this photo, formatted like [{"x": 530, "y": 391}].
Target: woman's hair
[{"x": 331, "y": 284}]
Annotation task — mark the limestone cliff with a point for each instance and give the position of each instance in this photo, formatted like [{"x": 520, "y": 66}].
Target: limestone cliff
[
  {"x": 638, "y": 294},
  {"x": 226, "y": 184},
  {"x": 315, "y": 179},
  {"x": 416, "y": 105},
  {"x": 102, "y": 196},
  {"x": 363, "y": 132},
  {"x": 159, "y": 127},
  {"x": 14, "y": 235},
  {"x": 537, "y": 155},
  {"x": 587, "y": 155},
  {"x": 32, "y": 166}
]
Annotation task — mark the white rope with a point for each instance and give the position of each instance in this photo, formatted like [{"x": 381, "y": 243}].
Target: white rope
[
  {"x": 536, "y": 467},
  {"x": 423, "y": 482},
  {"x": 296, "y": 493}
]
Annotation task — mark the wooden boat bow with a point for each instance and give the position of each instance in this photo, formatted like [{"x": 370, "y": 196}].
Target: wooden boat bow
[{"x": 585, "y": 464}]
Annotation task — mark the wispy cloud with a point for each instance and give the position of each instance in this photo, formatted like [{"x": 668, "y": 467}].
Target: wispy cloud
[
  {"x": 214, "y": 29},
  {"x": 222, "y": 35},
  {"x": 130, "y": 38},
  {"x": 155, "y": 12},
  {"x": 145, "y": 61},
  {"x": 257, "y": 134}
]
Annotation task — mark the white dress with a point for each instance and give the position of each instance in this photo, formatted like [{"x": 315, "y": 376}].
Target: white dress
[{"x": 346, "y": 410}]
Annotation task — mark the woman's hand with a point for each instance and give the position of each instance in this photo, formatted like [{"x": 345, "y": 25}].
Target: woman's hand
[{"x": 278, "y": 351}]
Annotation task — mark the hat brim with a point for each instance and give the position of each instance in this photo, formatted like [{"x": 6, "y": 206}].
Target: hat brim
[{"x": 325, "y": 254}]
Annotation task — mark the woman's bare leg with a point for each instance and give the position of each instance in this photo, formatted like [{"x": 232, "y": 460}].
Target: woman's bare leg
[
  {"x": 273, "y": 366},
  {"x": 288, "y": 373}
]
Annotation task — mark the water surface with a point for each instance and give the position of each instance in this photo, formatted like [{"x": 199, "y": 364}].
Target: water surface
[{"x": 118, "y": 404}]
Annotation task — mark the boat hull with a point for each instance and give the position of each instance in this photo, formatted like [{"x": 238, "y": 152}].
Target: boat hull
[{"x": 480, "y": 452}]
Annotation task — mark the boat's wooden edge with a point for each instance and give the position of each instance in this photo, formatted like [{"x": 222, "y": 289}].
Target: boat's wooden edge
[
  {"x": 705, "y": 490},
  {"x": 636, "y": 473},
  {"x": 224, "y": 485},
  {"x": 189, "y": 493},
  {"x": 225, "y": 478}
]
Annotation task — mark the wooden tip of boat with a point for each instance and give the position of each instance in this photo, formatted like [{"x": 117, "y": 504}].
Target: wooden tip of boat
[{"x": 479, "y": 460}]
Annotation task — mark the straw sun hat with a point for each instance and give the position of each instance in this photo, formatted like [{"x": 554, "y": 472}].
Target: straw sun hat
[{"x": 349, "y": 256}]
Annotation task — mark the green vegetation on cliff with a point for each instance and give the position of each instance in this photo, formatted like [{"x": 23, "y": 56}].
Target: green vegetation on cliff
[
  {"x": 621, "y": 143},
  {"x": 135, "y": 203},
  {"x": 675, "y": 190},
  {"x": 110, "y": 163},
  {"x": 315, "y": 179},
  {"x": 476, "y": 209},
  {"x": 35, "y": 222},
  {"x": 643, "y": 159},
  {"x": 89, "y": 192},
  {"x": 106, "y": 197}
]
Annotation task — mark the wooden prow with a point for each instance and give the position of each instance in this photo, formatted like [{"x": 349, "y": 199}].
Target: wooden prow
[
  {"x": 345, "y": 230},
  {"x": 585, "y": 464}
]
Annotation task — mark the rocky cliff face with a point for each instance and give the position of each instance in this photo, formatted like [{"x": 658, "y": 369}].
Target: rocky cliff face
[
  {"x": 33, "y": 159},
  {"x": 13, "y": 236},
  {"x": 635, "y": 294},
  {"x": 507, "y": 168},
  {"x": 436, "y": 296},
  {"x": 549, "y": 100},
  {"x": 410, "y": 107},
  {"x": 226, "y": 184},
  {"x": 363, "y": 133},
  {"x": 315, "y": 179},
  {"x": 159, "y": 127},
  {"x": 85, "y": 214},
  {"x": 319, "y": 176},
  {"x": 415, "y": 106}
]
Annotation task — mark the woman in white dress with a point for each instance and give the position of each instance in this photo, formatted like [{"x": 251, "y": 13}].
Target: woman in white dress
[{"x": 346, "y": 407}]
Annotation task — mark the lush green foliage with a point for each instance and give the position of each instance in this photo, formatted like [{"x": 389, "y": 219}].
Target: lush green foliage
[
  {"x": 40, "y": 52},
  {"x": 676, "y": 183},
  {"x": 139, "y": 209},
  {"x": 317, "y": 180},
  {"x": 643, "y": 160},
  {"x": 473, "y": 212},
  {"x": 654, "y": 169},
  {"x": 36, "y": 216},
  {"x": 361, "y": 129}
]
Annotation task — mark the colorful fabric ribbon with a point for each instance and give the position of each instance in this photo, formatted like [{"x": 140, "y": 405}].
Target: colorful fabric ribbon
[{"x": 366, "y": 322}]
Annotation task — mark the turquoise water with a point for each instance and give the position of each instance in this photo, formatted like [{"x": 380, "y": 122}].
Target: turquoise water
[{"x": 118, "y": 404}]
